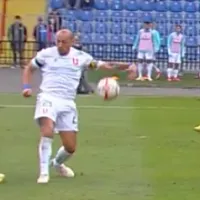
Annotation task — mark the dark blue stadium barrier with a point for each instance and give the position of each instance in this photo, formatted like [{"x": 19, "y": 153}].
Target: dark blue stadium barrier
[{"x": 110, "y": 52}]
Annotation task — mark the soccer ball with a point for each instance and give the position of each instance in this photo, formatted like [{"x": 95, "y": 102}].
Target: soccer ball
[{"x": 108, "y": 88}]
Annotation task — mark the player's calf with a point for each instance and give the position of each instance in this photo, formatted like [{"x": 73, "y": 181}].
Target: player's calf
[
  {"x": 45, "y": 148},
  {"x": 64, "y": 153}
]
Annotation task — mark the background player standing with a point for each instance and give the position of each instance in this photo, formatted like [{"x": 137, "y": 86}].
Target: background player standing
[
  {"x": 147, "y": 43},
  {"x": 176, "y": 52}
]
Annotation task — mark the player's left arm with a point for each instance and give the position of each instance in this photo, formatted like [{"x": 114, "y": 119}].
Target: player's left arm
[
  {"x": 126, "y": 67},
  {"x": 183, "y": 47},
  {"x": 112, "y": 65},
  {"x": 102, "y": 65},
  {"x": 156, "y": 41}
]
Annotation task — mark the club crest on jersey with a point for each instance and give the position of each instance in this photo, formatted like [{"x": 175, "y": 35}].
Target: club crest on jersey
[{"x": 75, "y": 61}]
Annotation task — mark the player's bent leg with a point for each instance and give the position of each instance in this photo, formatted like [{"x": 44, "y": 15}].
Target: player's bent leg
[
  {"x": 170, "y": 72},
  {"x": 149, "y": 70},
  {"x": 68, "y": 139},
  {"x": 140, "y": 69},
  {"x": 45, "y": 147},
  {"x": 157, "y": 70},
  {"x": 175, "y": 72}
]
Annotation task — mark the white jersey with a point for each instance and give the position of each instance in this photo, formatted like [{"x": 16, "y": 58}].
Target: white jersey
[{"x": 61, "y": 74}]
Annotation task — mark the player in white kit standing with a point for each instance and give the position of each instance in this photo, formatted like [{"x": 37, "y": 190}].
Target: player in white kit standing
[
  {"x": 176, "y": 52},
  {"x": 147, "y": 43},
  {"x": 61, "y": 68}
]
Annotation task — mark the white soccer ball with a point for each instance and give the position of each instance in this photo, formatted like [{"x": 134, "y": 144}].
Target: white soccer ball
[{"x": 108, "y": 88}]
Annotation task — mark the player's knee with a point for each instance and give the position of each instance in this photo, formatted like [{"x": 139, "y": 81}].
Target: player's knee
[
  {"x": 70, "y": 148},
  {"x": 46, "y": 127},
  {"x": 46, "y": 131}
]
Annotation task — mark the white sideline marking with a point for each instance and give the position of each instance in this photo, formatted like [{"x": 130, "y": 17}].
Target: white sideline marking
[{"x": 111, "y": 107}]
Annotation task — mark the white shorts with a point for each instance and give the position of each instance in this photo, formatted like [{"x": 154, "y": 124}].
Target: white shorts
[
  {"x": 146, "y": 56},
  {"x": 175, "y": 58},
  {"x": 62, "y": 112}
]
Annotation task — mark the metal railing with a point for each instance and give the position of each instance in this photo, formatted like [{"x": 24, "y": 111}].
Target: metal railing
[{"x": 108, "y": 52}]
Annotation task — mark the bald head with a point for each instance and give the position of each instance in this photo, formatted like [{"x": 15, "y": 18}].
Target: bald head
[
  {"x": 64, "y": 41},
  {"x": 65, "y": 33}
]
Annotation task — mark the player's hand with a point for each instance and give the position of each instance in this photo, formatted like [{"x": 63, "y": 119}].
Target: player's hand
[{"x": 27, "y": 93}]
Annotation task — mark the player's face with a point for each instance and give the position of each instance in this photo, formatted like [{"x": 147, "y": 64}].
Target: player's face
[
  {"x": 178, "y": 29},
  {"x": 64, "y": 44},
  {"x": 147, "y": 25}
]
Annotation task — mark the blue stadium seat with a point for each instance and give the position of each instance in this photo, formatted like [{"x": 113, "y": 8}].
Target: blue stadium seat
[
  {"x": 161, "y": 6},
  {"x": 131, "y": 16},
  {"x": 101, "y": 4},
  {"x": 190, "y": 31},
  {"x": 190, "y": 18},
  {"x": 131, "y": 5},
  {"x": 62, "y": 12},
  {"x": 116, "y": 16},
  {"x": 100, "y": 38},
  {"x": 175, "y": 6},
  {"x": 176, "y": 18},
  {"x": 116, "y": 28},
  {"x": 116, "y": 39},
  {"x": 191, "y": 52},
  {"x": 86, "y": 27},
  {"x": 101, "y": 27},
  {"x": 86, "y": 38},
  {"x": 56, "y": 4},
  {"x": 101, "y": 16},
  {"x": 190, "y": 0},
  {"x": 146, "y": 6},
  {"x": 161, "y": 17},
  {"x": 191, "y": 41},
  {"x": 162, "y": 29},
  {"x": 85, "y": 15},
  {"x": 71, "y": 25},
  {"x": 116, "y": 5},
  {"x": 130, "y": 29},
  {"x": 71, "y": 15},
  {"x": 190, "y": 7},
  {"x": 128, "y": 39},
  {"x": 146, "y": 15}
]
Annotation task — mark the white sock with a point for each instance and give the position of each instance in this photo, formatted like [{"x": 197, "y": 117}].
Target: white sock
[
  {"x": 61, "y": 156},
  {"x": 156, "y": 68},
  {"x": 45, "y": 151},
  {"x": 140, "y": 68},
  {"x": 149, "y": 70},
  {"x": 169, "y": 72},
  {"x": 175, "y": 73}
]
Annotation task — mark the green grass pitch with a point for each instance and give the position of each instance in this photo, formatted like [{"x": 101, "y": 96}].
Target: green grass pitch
[{"x": 140, "y": 148}]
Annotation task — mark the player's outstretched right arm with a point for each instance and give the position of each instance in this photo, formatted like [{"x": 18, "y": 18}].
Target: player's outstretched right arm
[
  {"x": 26, "y": 80},
  {"x": 37, "y": 62}
]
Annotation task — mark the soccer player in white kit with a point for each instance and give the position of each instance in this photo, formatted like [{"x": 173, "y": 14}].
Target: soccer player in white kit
[
  {"x": 61, "y": 68},
  {"x": 176, "y": 52}
]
